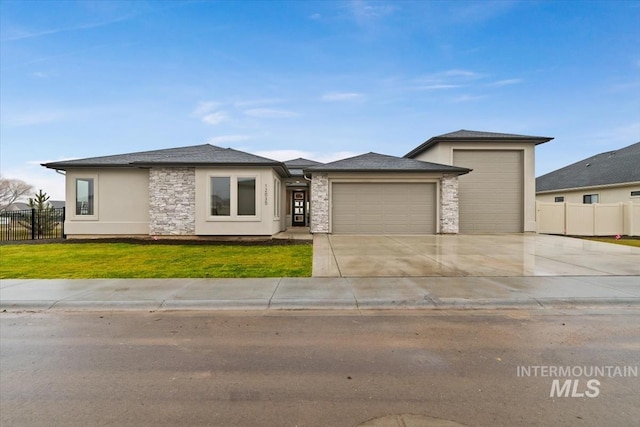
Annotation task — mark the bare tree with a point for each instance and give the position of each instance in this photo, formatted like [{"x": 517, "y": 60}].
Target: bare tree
[{"x": 11, "y": 190}]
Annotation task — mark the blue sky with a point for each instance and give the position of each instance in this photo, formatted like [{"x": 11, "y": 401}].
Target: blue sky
[{"x": 317, "y": 79}]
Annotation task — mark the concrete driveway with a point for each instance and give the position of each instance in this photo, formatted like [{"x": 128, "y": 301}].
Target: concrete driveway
[{"x": 469, "y": 255}]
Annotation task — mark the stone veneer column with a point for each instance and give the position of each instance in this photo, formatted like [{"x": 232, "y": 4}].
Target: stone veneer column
[
  {"x": 172, "y": 201},
  {"x": 449, "y": 211},
  {"x": 320, "y": 203}
]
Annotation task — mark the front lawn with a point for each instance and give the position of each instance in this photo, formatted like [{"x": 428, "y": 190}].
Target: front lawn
[
  {"x": 131, "y": 260},
  {"x": 625, "y": 240}
]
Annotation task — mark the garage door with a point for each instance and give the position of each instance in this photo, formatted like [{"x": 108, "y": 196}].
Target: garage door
[
  {"x": 384, "y": 208},
  {"x": 491, "y": 196}
]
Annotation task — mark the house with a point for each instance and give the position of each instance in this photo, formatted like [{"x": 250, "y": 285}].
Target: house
[
  {"x": 498, "y": 196},
  {"x": 450, "y": 183},
  {"x": 21, "y": 206},
  {"x": 609, "y": 177}
]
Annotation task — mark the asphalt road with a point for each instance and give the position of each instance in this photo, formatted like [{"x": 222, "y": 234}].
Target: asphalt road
[{"x": 316, "y": 369}]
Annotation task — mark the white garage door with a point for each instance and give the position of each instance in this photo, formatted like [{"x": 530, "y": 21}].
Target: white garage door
[
  {"x": 491, "y": 197},
  {"x": 384, "y": 208}
]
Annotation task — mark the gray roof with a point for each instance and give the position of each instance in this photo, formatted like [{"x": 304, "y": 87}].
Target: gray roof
[
  {"x": 196, "y": 155},
  {"x": 374, "y": 162},
  {"x": 476, "y": 136},
  {"x": 611, "y": 167},
  {"x": 300, "y": 162},
  {"x": 296, "y": 166}
]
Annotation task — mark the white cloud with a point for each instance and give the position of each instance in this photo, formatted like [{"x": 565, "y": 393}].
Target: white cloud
[
  {"x": 341, "y": 96},
  {"x": 227, "y": 138},
  {"x": 461, "y": 73},
  {"x": 437, "y": 87},
  {"x": 20, "y": 34},
  {"x": 34, "y": 118},
  {"x": 467, "y": 98},
  {"x": 205, "y": 107},
  {"x": 316, "y": 17},
  {"x": 365, "y": 12},
  {"x": 215, "y": 118},
  {"x": 257, "y": 102},
  {"x": 268, "y": 113},
  {"x": 205, "y": 111},
  {"x": 39, "y": 75},
  {"x": 506, "y": 82},
  {"x": 448, "y": 79}
]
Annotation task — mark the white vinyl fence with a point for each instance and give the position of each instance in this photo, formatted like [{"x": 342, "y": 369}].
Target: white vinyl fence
[{"x": 576, "y": 219}]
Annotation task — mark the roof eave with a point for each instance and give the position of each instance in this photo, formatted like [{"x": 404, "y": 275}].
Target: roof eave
[
  {"x": 459, "y": 171},
  {"x": 537, "y": 140},
  {"x": 589, "y": 187}
]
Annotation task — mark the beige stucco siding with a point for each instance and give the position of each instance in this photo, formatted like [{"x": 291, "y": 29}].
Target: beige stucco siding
[
  {"x": 265, "y": 222},
  {"x": 121, "y": 202},
  {"x": 606, "y": 194},
  {"x": 443, "y": 152}
]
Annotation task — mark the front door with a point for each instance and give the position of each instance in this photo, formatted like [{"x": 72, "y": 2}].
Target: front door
[{"x": 299, "y": 218}]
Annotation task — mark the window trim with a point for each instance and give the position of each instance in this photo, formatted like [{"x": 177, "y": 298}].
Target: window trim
[
  {"x": 277, "y": 202},
  {"x": 90, "y": 217},
  {"x": 591, "y": 202},
  {"x": 634, "y": 195},
  {"x": 233, "y": 198}
]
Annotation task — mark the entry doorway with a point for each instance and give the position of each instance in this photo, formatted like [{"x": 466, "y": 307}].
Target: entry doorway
[{"x": 299, "y": 208}]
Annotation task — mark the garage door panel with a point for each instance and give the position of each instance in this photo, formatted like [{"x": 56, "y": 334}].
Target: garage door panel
[
  {"x": 384, "y": 208},
  {"x": 491, "y": 196}
]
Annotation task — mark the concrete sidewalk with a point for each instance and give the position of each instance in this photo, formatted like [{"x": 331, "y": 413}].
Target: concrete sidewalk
[{"x": 320, "y": 293}]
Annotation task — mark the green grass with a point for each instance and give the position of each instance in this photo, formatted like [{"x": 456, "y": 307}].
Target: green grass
[
  {"x": 627, "y": 241},
  {"x": 127, "y": 260}
]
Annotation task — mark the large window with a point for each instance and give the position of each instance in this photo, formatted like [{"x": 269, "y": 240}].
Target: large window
[
  {"x": 590, "y": 198},
  {"x": 246, "y": 196},
  {"x": 84, "y": 196},
  {"x": 233, "y": 196},
  {"x": 276, "y": 199},
  {"x": 220, "y": 196}
]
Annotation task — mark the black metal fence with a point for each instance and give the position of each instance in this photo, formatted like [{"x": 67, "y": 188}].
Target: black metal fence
[{"x": 32, "y": 224}]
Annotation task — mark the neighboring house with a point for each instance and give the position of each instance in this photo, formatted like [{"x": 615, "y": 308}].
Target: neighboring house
[
  {"x": 498, "y": 196},
  {"x": 21, "y": 206},
  {"x": 609, "y": 177},
  {"x": 466, "y": 181}
]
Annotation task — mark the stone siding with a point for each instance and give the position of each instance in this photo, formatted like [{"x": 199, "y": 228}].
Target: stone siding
[
  {"x": 172, "y": 201},
  {"x": 449, "y": 213},
  {"x": 320, "y": 203}
]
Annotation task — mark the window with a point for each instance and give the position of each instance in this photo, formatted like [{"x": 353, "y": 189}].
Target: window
[
  {"x": 559, "y": 199},
  {"x": 246, "y": 196},
  {"x": 590, "y": 198},
  {"x": 635, "y": 194},
  {"x": 84, "y": 196},
  {"x": 233, "y": 196},
  {"x": 276, "y": 199},
  {"x": 220, "y": 196}
]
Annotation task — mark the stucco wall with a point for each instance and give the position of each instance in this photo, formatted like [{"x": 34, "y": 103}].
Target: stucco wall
[
  {"x": 172, "y": 201},
  {"x": 607, "y": 194},
  {"x": 121, "y": 203},
  {"x": 263, "y": 223}
]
